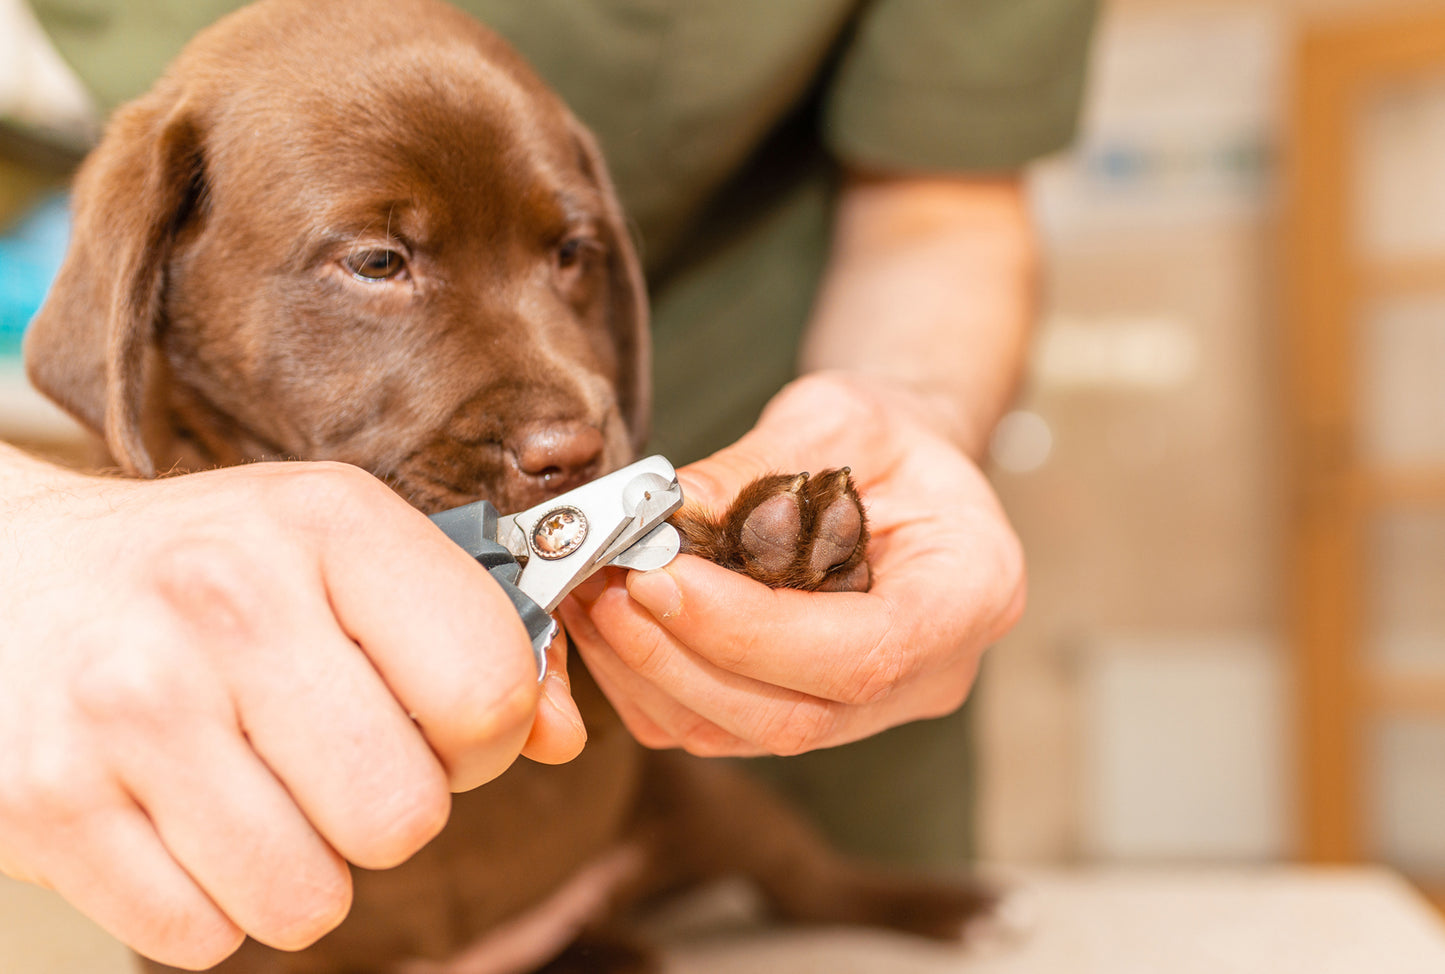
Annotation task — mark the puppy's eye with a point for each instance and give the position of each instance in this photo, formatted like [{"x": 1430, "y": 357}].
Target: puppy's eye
[
  {"x": 573, "y": 251},
  {"x": 375, "y": 265},
  {"x": 569, "y": 253}
]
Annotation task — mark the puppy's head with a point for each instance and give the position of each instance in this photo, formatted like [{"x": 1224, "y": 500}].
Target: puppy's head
[{"x": 359, "y": 230}]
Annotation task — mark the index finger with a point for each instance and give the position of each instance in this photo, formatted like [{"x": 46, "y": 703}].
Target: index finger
[{"x": 440, "y": 632}]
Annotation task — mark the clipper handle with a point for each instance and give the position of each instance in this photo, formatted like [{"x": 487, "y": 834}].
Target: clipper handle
[{"x": 474, "y": 528}]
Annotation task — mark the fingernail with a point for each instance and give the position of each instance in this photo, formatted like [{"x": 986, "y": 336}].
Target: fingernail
[
  {"x": 559, "y": 697},
  {"x": 657, "y": 592}
]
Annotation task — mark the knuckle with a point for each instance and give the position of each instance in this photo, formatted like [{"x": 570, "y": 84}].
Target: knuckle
[
  {"x": 479, "y": 735},
  {"x": 411, "y": 818},
  {"x": 878, "y": 674},
  {"x": 201, "y": 951},
  {"x": 194, "y": 937},
  {"x": 648, "y": 657},
  {"x": 47, "y": 787},
  {"x": 478, "y": 719},
  {"x": 422, "y": 817},
  {"x": 294, "y": 492},
  {"x": 136, "y": 690},
  {"x": 210, "y": 583},
  {"x": 710, "y": 741},
  {"x": 335, "y": 486},
  {"x": 311, "y": 912},
  {"x": 734, "y": 656},
  {"x": 328, "y": 478},
  {"x": 804, "y": 726}
]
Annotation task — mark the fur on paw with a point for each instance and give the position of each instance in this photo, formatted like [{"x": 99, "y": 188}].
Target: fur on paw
[{"x": 788, "y": 531}]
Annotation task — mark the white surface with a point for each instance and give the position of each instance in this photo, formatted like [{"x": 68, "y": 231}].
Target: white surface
[
  {"x": 1102, "y": 922},
  {"x": 1270, "y": 921},
  {"x": 1184, "y": 754}
]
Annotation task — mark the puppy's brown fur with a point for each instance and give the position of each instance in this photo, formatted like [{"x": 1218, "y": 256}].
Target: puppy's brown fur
[{"x": 365, "y": 231}]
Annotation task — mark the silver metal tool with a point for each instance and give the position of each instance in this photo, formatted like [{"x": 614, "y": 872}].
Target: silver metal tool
[{"x": 540, "y": 554}]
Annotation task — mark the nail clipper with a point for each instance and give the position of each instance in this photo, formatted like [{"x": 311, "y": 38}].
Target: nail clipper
[{"x": 540, "y": 554}]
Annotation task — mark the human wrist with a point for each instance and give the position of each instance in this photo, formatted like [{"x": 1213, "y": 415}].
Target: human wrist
[
  {"x": 927, "y": 405},
  {"x": 966, "y": 425}
]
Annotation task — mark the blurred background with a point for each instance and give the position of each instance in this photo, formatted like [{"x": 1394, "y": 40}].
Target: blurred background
[{"x": 1228, "y": 464}]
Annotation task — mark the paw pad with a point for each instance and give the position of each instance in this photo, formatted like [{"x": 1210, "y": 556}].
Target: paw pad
[
  {"x": 789, "y": 531},
  {"x": 772, "y": 533}
]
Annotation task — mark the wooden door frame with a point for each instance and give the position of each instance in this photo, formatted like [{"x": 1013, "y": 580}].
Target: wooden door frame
[{"x": 1333, "y": 494}]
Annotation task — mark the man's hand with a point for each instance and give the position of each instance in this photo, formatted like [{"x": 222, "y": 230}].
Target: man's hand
[
  {"x": 914, "y": 347},
  {"x": 698, "y": 657},
  {"x": 217, "y": 689}
]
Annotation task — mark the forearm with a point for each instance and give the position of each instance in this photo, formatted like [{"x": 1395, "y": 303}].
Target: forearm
[{"x": 931, "y": 282}]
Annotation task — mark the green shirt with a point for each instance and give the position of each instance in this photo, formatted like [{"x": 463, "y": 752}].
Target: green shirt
[{"x": 725, "y": 123}]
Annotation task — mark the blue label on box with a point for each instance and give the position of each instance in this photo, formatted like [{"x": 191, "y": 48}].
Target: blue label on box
[{"x": 30, "y": 256}]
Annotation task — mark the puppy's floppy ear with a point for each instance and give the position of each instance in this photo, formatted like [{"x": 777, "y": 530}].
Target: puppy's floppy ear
[
  {"x": 627, "y": 296},
  {"x": 88, "y": 347}
]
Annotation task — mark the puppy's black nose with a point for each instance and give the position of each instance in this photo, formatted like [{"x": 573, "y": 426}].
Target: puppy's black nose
[{"x": 559, "y": 455}]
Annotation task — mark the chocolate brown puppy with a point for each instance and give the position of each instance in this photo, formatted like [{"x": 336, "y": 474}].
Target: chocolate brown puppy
[{"x": 365, "y": 231}]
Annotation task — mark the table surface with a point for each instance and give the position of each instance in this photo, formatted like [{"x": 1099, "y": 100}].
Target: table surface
[{"x": 1276, "y": 920}]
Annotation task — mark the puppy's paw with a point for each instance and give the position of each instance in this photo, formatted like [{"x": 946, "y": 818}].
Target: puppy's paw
[{"x": 788, "y": 531}]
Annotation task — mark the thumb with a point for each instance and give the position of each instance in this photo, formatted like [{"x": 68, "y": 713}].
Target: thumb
[
  {"x": 558, "y": 733},
  {"x": 813, "y": 423},
  {"x": 713, "y": 482}
]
